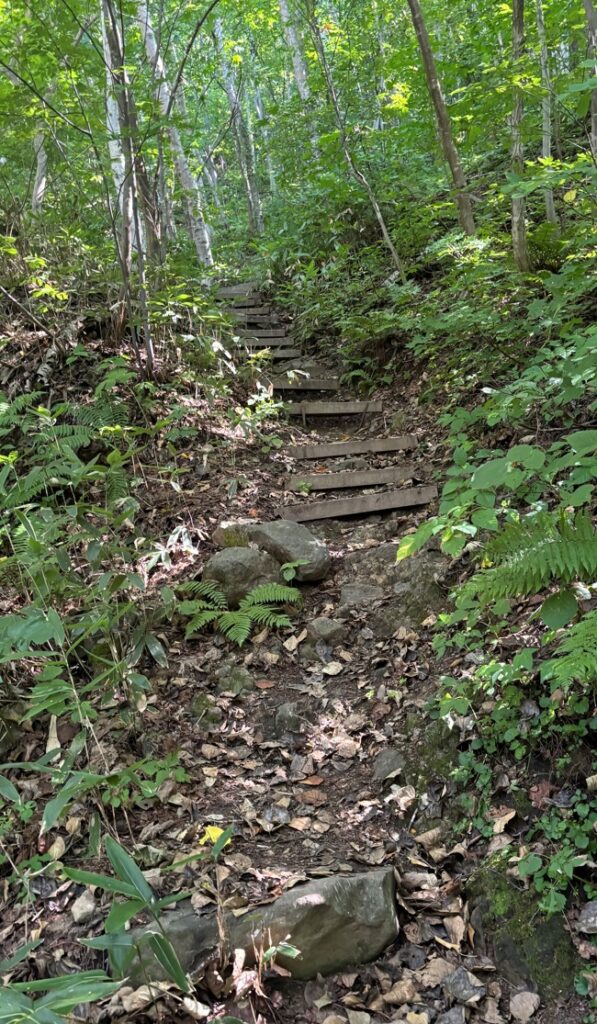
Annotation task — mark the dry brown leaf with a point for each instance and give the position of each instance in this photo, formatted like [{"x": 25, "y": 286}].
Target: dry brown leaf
[
  {"x": 313, "y": 780},
  {"x": 434, "y": 972},
  {"x": 333, "y": 668},
  {"x": 403, "y": 796},
  {"x": 300, "y": 824},
  {"x": 500, "y": 823}
]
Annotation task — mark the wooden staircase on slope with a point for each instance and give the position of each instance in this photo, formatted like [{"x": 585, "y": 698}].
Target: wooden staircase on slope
[{"x": 259, "y": 330}]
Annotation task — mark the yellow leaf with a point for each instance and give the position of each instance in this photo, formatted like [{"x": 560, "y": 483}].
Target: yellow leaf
[
  {"x": 570, "y": 196},
  {"x": 211, "y": 835}
]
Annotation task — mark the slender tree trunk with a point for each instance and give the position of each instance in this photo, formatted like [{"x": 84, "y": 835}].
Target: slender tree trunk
[
  {"x": 41, "y": 171},
  {"x": 591, "y": 13},
  {"x": 244, "y": 148},
  {"x": 354, "y": 169},
  {"x": 550, "y": 210},
  {"x": 519, "y": 232},
  {"x": 260, "y": 110},
  {"x": 131, "y": 223},
  {"x": 293, "y": 43},
  {"x": 198, "y": 228},
  {"x": 463, "y": 200}
]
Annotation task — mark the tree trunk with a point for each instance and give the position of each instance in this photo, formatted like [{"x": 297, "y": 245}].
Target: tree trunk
[
  {"x": 519, "y": 232},
  {"x": 293, "y": 43},
  {"x": 41, "y": 171},
  {"x": 354, "y": 169},
  {"x": 260, "y": 111},
  {"x": 198, "y": 228},
  {"x": 550, "y": 210},
  {"x": 242, "y": 138},
  {"x": 591, "y": 14},
  {"x": 463, "y": 200}
]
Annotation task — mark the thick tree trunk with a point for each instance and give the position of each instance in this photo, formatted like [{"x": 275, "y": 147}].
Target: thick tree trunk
[
  {"x": 463, "y": 200},
  {"x": 242, "y": 138},
  {"x": 293, "y": 43},
  {"x": 550, "y": 210},
  {"x": 269, "y": 163},
  {"x": 519, "y": 232},
  {"x": 354, "y": 169},
  {"x": 591, "y": 14},
  {"x": 197, "y": 225}
]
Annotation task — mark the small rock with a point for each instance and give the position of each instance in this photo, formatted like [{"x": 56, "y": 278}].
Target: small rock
[
  {"x": 587, "y": 922},
  {"x": 327, "y": 630},
  {"x": 84, "y": 908},
  {"x": 287, "y": 718},
  {"x": 388, "y": 764},
  {"x": 418, "y": 1017},
  {"x": 462, "y": 987},
  {"x": 285, "y": 540},
  {"x": 205, "y": 711},
  {"x": 237, "y": 571},
  {"x": 524, "y": 1005},
  {"x": 404, "y": 991},
  {"x": 357, "y": 595},
  {"x": 234, "y": 679},
  {"x": 456, "y": 1015}
]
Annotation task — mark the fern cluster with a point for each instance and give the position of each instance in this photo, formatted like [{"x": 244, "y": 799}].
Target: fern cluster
[
  {"x": 528, "y": 555},
  {"x": 208, "y": 606},
  {"x": 576, "y": 657}
]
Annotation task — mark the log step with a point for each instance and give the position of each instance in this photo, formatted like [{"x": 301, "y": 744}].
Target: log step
[
  {"x": 332, "y": 408},
  {"x": 304, "y": 384},
  {"x": 339, "y": 448},
  {"x": 259, "y": 343},
  {"x": 351, "y": 478},
  {"x": 337, "y": 508},
  {"x": 276, "y": 354},
  {"x": 263, "y": 332},
  {"x": 247, "y": 313}
]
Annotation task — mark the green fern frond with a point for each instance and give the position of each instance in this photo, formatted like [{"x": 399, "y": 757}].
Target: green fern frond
[
  {"x": 269, "y": 593},
  {"x": 117, "y": 484},
  {"x": 205, "y": 588},
  {"x": 576, "y": 657},
  {"x": 236, "y": 626},
  {"x": 266, "y": 615},
  {"x": 198, "y": 622},
  {"x": 194, "y": 607},
  {"x": 530, "y": 554}
]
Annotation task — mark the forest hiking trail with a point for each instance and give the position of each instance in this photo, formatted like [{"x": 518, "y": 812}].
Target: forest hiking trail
[{"x": 316, "y": 746}]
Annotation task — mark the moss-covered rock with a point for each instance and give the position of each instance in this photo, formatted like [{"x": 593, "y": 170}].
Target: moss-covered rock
[{"x": 529, "y": 949}]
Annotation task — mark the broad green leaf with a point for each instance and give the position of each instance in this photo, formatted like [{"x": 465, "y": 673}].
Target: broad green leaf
[
  {"x": 105, "y": 882},
  {"x": 485, "y": 519},
  {"x": 414, "y": 541},
  {"x": 583, "y": 441},
  {"x": 527, "y": 454},
  {"x": 490, "y": 475},
  {"x": 156, "y": 649},
  {"x": 529, "y": 865},
  {"x": 164, "y": 952},
  {"x": 121, "y": 913},
  {"x": 126, "y": 869},
  {"x": 559, "y": 609},
  {"x": 8, "y": 791}
]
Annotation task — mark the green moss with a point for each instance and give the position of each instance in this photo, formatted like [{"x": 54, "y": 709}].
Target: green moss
[
  {"x": 435, "y": 755},
  {"x": 528, "y": 948}
]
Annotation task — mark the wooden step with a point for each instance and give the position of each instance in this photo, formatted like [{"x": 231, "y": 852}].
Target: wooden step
[
  {"x": 248, "y": 312},
  {"x": 243, "y": 288},
  {"x": 361, "y": 447},
  {"x": 263, "y": 332},
  {"x": 350, "y": 478},
  {"x": 260, "y": 343},
  {"x": 332, "y": 408},
  {"x": 337, "y": 508},
  {"x": 304, "y": 384},
  {"x": 276, "y": 354}
]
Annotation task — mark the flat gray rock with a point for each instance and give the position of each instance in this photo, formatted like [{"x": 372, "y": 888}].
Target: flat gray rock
[
  {"x": 587, "y": 922},
  {"x": 334, "y": 922},
  {"x": 237, "y": 571},
  {"x": 359, "y": 595},
  {"x": 328, "y": 630}
]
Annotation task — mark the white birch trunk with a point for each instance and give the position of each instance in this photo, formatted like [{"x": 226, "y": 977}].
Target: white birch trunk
[
  {"x": 198, "y": 228},
  {"x": 519, "y": 232},
  {"x": 293, "y": 43},
  {"x": 41, "y": 171},
  {"x": 113, "y": 123},
  {"x": 550, "y": 210},
  {"x": 242, "y": 138},
  {"x": 260, "y": 110}
]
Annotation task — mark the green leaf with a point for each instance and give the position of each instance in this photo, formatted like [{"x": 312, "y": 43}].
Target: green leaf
[
  {"x": 529, "y": 865},
  {"x": 121, "y": 913},
  {"x": 21, "y": 954},
  {"x": 414, "y": 541},
  {"x": 126, "y": 869},
  {"x": 491, "y": 475},
  {"x": 8, "y": 791},
  {"x": 528, "y": 455},
  {"x": 485, "y": 519},
  {"x": 583, "y": 441},
  {"x": 156, "y": 649},
  {"x": 103, "y": 881},
  {"x": 164, "y": 952},
  {"x": 559, "y": 609}
]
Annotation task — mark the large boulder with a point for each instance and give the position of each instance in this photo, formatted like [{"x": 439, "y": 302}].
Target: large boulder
[
  {"x": 238, "y": 570},
  {"x": 284, "y": 540},
  {"x": 334, "y": 922}
]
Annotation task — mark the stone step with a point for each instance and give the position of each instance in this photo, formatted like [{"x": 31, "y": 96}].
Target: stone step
[
  {"x": 263, "y": 332},
  {"x": 305, "y": 384},
  {"x": 350, "y": 478},
  {"x": 338, "y": 508},
  {"x": 360, "y": 447},
  {"x": 332, "y": 408}
]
